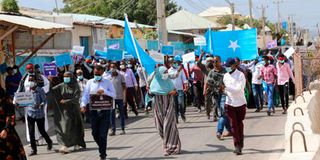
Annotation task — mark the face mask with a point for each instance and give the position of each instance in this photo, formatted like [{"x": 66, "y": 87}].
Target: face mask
[
  {"x": 165, "y": 76},
  {"x": 97, "y": 78},
  {"x": 66, "y": 79},
  {"x": 15, "y": 71},
  {"x": 281, "y": 62},
  {"x": 204, "y": 61},
  {"x": 122, "y": 67},
  {"x": 129, "y": 66},
  {"x": 263, "y": 63},
  {"x": 175, "y": 65},
  {"x": 32, "y": 84},
  {"x": 80, "y": 78},
  {"x": 228, "y": 69},
  {"x": 112, "y": 70}
]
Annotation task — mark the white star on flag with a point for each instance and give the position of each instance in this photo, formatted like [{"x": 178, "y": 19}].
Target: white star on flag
[{"x": 234, "y": 45}]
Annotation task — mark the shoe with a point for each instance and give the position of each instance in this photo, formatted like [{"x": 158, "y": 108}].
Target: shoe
[
  {"x": 76, "y": 148},
  {"x": 284, "y": 112},
  {"x": 199, "y": 110},
  {"x": 122, "y": 132},
  {"x": 215, "y": 119},
  {"x": 33, "y": 153},
  {"x": 103, "y": 157},
  {"x": 208, "y": 117},
  {"x": 257, "y": 110},
  {"x": 237, "y": 151},
  {"x": 136, "y": 113},
  {"x": 112, "y": 133},
  {"x": 183, "y": 119},
  {"x": 273, "y": 111},
  {"x": 166, "y": 154},
  {"x": 219, "y": 136},
  {"x": 227, "y": 134},
  {"x": 64, "y": 150},
  {"x": 49, "y": 147},
  {"x": 269, "y": 113}
]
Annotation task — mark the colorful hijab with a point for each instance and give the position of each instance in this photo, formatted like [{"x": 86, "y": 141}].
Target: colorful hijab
[{"x": 160, "y": 86}]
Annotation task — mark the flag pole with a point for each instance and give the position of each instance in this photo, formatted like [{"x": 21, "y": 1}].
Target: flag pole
[
  {"x": 210, "y": 44},
  {"x": 135, "y": 45}
]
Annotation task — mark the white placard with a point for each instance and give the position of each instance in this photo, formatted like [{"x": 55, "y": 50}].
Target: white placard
[
  {"x": 189, "y": 57},
  {"x": 77, "y": 50},
  {"x": 289, "y": 52},
  {"x": 158, "y": 57},
  {"x": 24, "y": 99},
  {"x": 200, "y": 41}
]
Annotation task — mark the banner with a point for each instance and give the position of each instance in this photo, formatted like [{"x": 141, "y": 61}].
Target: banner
[
  {"x": 50, "y": 69},
  {"x": 167, "y": 50},
  {"x": 24, "y": 99},
  {"x": 272, "y": 44},
  {"x": 189, "y": 57},
  {"x": 289, "y": 52},
  {"x": 111, "y": 54},
  {"x": 77, "y": 50},
  {"x": 101, "y": 102},
  {"x": 199, "y": 41},
  {"x": 114, "y": 46},
  {"x": 63, "y": 59},
  {"x": 158, "y": 57}
]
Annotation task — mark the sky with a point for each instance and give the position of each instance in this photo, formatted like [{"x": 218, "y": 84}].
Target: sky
[{"x": 305, "y": 12}]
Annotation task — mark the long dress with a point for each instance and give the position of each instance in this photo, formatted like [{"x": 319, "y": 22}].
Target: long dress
[
  {"x": 11, "y": 147},
  {"x": 67, "y": 117},
  {"x": 166, "y": 125}
]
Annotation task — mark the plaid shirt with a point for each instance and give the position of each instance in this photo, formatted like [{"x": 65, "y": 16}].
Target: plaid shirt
[
  {"x": 37, "y": 111},
  {"x": 269, "y": 73}
]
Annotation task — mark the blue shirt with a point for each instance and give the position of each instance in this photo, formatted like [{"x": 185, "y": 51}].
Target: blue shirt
[{"x": 37, "y": 111}]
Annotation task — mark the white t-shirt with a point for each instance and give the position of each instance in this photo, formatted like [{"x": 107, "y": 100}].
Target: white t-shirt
[
  {"x": 256, "y": 74},
  {"x": 234, "y": 88},
  {"x": 180, "y": 80}
]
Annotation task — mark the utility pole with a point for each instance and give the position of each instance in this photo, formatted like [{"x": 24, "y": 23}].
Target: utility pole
[
  {"x": 232, "y": 14},
  {"x": 250, "y": 12},
  {"x": 277, "y": 2},
  {"x": 290, "y": 18},
  {"x": 161, "y": 21},
  {"x": 57, "y": 8},
  {"x": 263, "y": 19}
]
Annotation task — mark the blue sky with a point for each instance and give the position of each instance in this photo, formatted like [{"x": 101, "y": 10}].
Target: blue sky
[{"x": 305, "y": 12}]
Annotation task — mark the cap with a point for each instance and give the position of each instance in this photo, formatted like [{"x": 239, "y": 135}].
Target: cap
[
  {"x": 178, "y": 58},
  {"x": 230, "y": 62},
  {"x": 29, "y": 66},
  {"x": 281, "y": 59}
]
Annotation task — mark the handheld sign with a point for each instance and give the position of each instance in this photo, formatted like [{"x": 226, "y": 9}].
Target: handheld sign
[
  {"x": 167, "y": 50},
  {"x": 158, "y": 57},
  {"x": 189, "y": 57},
  {"x": 101, "y": 102},
  {"x": 24, "y": 99},
  {"x": 50, "y": 69},
  {"x": 77, "y": 50},
  {"x": 63, "y": 59},
  {"x": 200, "y": 41},
  {"x": 289, "y": 52}
]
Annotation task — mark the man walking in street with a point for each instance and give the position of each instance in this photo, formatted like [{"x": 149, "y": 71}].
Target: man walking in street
[
  {"x": 234, "y": 85},
  {"x": 100, "y": 119},
  {"x": 269, "y": 75},
  {"x": 257, "y": 85}
]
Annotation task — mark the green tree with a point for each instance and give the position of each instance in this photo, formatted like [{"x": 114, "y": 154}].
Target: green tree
[
  {"x": 10, "y": 6},
  {"x": 140, "y": 11}
]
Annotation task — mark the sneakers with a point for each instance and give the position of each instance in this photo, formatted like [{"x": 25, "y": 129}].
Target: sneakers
[
  {"x": 219, "y": 136},
  {"x": 64, "y": 150},
  {"x": 122, "y": 132},
  {"x": 183, "y": 119},
  {"x": 257, "y": 110},
  {"x": 237, "y": 151},
  {"x": 33, "y": 153},
  {"x": 112, "y": 133},
  {"x": 269, "y": 113}
]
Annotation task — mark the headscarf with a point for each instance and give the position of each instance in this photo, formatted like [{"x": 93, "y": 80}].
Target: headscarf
[{"x": 158, "y": 85}]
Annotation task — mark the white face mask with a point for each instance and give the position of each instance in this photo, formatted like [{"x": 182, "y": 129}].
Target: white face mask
[
  {"x": 32, "y": 84},
  {"x": 122, "y": 66},
  {"x": 165, "y": 76},
  {"x": 15, "y": 71}
]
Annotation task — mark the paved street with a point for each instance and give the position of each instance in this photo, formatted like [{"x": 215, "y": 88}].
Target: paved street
[{"x": 263, "y": 140}]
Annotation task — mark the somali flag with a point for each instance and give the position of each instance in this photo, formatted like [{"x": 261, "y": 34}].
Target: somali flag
[
  {"x": 133, "y": 48},
  {"x": 240, "y": 43}
]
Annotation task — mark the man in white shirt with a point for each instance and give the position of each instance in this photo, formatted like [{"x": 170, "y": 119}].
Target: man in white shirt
[
  {"x": 100, "y": 119},
  {"x": 234, "y": 84},
  {"x": 257, "y": 85},
  {"x": 82, "y": 84},
  {"x": 180, "y": 82}
]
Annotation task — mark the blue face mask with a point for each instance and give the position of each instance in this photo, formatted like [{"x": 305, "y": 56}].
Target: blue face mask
[
  {"x": 66, "y": 79},
  {"x": 97, "y": 78},
  {"x": 263, "y": 63},
  {"x": 175, "y": 65},
  {"x": 228, "y": 69},
  {"x": 80, "y": 78}
]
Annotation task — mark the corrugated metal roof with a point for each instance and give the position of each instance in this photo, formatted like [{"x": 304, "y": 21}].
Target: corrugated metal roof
[
  {"x": 216, "y": 11},
  {"x": 182, "y": 33},
  {"x": 31, "y": 22},
  {"x": 183, "y": 20}
]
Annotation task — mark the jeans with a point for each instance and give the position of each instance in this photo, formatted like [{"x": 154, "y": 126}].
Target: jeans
[
  {"x": 119, "y": 103},
  {"x": 270, "y": 89},
  {"x": 179, "y": 104},
  {"x": 284, "y": 95},
  {"x": 223, "y": 119},
  {"x": 44, "y": 134},
  {"x": 100, "y": 123},
  {"x": 236, "y": 116},
  {"x": 258, "y": 95}
]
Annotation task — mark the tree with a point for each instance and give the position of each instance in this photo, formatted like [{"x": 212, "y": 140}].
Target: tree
[
  {"x": 140, "y": 11},
  {"x": 10, "y": 6}
]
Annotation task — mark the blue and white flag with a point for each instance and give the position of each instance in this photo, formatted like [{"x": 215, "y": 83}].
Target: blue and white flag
[
  {"x": 240, "y": 43},
  {"x": 132, "y": 47}
]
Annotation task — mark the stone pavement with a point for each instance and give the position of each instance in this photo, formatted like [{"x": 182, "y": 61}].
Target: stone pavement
[{"x": 263, "y": 140}]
